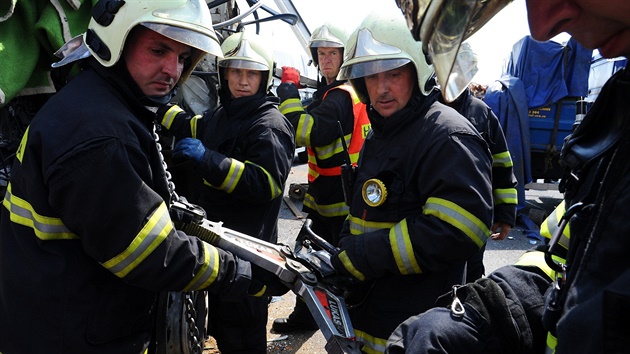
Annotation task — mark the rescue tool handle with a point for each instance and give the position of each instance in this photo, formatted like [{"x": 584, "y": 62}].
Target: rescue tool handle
[{"x": 308, "y": 233}]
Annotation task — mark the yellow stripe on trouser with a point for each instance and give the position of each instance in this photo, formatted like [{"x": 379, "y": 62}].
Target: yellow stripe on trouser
[{"x": 327, "y": 210}]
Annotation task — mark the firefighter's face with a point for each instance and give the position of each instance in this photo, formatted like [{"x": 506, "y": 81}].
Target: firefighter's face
[
  {"x": 390, "y": 91},
  {"x": 329, "y": 60},
  {"x": 155, "y": 62},
  {"x": 242, "y": 82},
  {"x": 596, "y": 24}
]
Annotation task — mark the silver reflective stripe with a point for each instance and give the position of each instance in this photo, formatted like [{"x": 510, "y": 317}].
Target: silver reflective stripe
[
  {"x": 45, "y": 227},
  {"x": 403, "y": 249},
  {"x": 152, "y": 234}
]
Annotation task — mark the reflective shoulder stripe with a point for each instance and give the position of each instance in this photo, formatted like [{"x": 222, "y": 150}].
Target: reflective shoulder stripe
[
  {"x": 274, "y": 187},
  {"x": 152, "y": 234},
  {"x": 359, "y": 226},
  {"x": 347, "y": 263},
  {"x": 502, "y": 159},
  {"x": 505, "y": 196},
  {"x": 403, "y": 250},
  {"x": 458, "y": 217},
  {"x": 169, "y": 116},
  {"x": 327, "y": 210},
  {"x": 45, "y": 228},
  {"x": 208, "y": 272},
  {"x": 371, "y": 344}
]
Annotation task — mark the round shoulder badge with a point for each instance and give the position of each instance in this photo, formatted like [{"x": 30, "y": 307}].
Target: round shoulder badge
[{"x": 374, "y": 192}]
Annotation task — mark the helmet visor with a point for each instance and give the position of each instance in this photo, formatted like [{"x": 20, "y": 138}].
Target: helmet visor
[
  {"x": 442, "y": 27},
  {"x": 189, "y": 37},
  {"x": 373, "y": 67},
  {"x": 367, "y": 56}
]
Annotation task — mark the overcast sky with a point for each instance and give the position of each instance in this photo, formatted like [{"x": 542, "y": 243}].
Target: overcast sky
[{"x": 492, "y": 43}]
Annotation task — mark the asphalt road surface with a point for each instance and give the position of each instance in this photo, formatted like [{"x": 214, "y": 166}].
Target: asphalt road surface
[{"x": 498, "y": 253}]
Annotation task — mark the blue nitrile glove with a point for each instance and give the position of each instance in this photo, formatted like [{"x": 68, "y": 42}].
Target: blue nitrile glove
[
  {"x": 287, "y": 90},
  {"x": 189, "y": 149}
]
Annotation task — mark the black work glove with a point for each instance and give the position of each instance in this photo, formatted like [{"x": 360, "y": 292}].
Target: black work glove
[
  {"x": 265, "y": 283},
  {"x": 287, "y": 90}
]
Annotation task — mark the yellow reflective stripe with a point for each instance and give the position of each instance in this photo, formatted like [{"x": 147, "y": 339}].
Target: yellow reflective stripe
[
  {"x": 291, "y": 105},
  {"x": 312, "y": 162},
  {"x": 537, "y": 259},
  {"x": 505, "y": 196},
  {"x": 502, "y": 159},
  {"x": 45, "y": 228},
  {"x": 458, "y": 217},
  {"x": 193, "y": 125},
  {"x": 347, "y": 263},
  {"x": 330, "y": 150},
  {"x": 358, "y": 226},
  {"x": 403, "y": 250},
  {"x": 327, "y": 210},
  {"x": 371, "y": 344},
  {"x": 354, "y": 158},
  {"x": 19, "y": 154},
  {"x": 208, "y": 272},
  {"x": 233, "y": 176},
  {"x": 146, "y": 241},
  {"x": 169, "y": 116},
  {"x": 552, "y": 342},
  {"x": 303, "y": 131},
  {"x": 275, "y": 188},
  {"x": 550, "y": 225}
]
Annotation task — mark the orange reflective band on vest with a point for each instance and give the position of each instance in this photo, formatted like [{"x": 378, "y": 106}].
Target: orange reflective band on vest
[{"x": 360, "y": 130}]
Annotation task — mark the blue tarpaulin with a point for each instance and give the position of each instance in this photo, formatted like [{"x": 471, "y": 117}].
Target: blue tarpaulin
[
  {"x": 549, "y": 71},
  {"x": 537, "y": 74}
]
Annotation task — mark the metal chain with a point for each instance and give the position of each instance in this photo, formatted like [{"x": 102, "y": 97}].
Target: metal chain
[
  {"x": 191, "y": 314},
  {"x": 193, "y": 331}
]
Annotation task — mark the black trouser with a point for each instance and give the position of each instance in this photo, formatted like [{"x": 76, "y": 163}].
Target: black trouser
[
  {"x": 239, "y": 327},
  {"x": 474, "y": 267}
]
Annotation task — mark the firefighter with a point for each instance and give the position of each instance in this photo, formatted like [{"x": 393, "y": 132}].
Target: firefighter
[
  {"x": 242, "y": 152},
  {"x": 422, "y": 199},
  {"x": 505, "y": 199},
  {"x": 336, "y": 113},
  {"x": 587, "y": 305},
  {"x": 86, "y": 239}
]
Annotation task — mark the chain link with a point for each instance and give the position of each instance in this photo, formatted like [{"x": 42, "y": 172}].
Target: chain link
[
  {"x": 190, "y": 313},
  {"x": 193, "y": 331}
]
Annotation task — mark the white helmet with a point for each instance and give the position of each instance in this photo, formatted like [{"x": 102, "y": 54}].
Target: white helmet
[
  {"x": 381, "y": 43},
  {"x": 185, "y": 21},
  {"x": 441, "y": 26},
  {"x": 328, "y": 35},
  {"x": 245, "y": 50}
]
